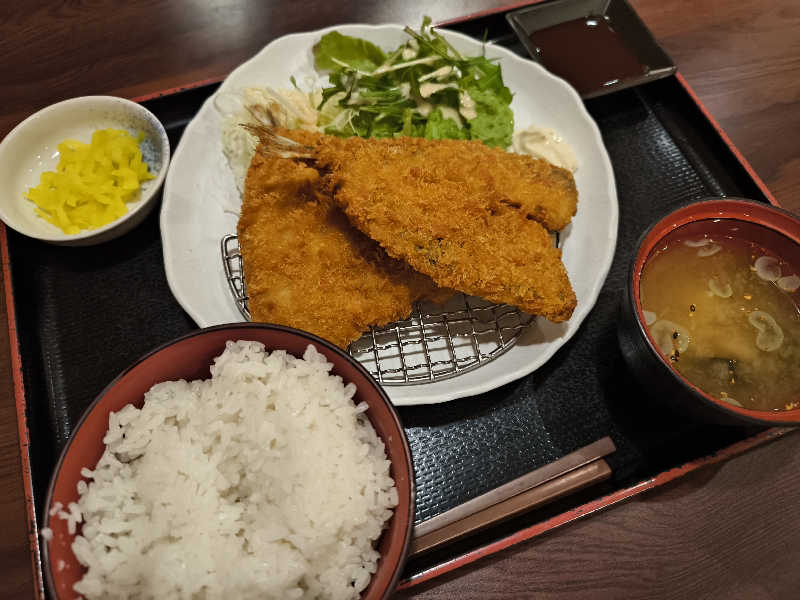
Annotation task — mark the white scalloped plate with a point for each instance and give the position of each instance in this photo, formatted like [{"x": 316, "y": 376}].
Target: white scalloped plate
[{"x": 201, "y": 202}]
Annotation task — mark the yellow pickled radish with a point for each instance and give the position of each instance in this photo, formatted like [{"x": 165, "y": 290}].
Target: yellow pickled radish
[{"x": 92, "y": 183}]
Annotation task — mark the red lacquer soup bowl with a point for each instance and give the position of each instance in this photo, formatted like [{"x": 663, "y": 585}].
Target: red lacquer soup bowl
[
  {"x": 772, "y": 229},
  {"x": 189, "y": 358}
]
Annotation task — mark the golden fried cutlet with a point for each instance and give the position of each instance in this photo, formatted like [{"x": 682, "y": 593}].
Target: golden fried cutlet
[
  {"x": 464, "y": 214},
  {"x": 306, "y": 266},
  {"x": 536, "y": 188}
]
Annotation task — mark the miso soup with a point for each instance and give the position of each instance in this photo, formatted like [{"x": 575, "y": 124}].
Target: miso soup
[{"x": 725, "y": 314}]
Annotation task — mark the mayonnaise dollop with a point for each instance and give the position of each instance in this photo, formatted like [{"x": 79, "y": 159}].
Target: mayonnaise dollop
[{"x": 541, "y": 142}]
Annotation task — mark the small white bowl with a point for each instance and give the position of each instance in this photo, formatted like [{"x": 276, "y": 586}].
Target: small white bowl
[{"x": 31, "y": 148}]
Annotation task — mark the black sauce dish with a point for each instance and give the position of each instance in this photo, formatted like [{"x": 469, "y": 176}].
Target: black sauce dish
[{"x": 598, "y": 46}]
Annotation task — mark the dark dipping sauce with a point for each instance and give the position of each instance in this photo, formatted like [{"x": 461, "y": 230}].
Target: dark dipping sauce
[{"x": 587, "y": 52}]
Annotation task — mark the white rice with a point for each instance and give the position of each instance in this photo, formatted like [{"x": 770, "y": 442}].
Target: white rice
[{"x": 265, "y": 481}]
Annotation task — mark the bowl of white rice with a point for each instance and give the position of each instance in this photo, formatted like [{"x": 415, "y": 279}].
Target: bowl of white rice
[{"x": 239, "y": 461}]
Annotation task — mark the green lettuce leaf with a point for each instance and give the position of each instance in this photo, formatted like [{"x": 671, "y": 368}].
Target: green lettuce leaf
[
  {"x": 383, "y": 128},
  {"x": 494, "y": 124},
  {"x": 356, "y": 53},
  {"x": 485, "y": 75},
  {"x": 440, "y": 128}
]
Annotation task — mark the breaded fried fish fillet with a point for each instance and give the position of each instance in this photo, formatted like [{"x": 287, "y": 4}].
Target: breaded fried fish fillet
[
  {"x": 472, "y": 218},
  {"x": 306, "y": 266},
  {"x": 536, "y": 188}
]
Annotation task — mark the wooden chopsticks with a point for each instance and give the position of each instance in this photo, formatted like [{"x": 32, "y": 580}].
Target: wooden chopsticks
[{"x": 573, "y": 472}]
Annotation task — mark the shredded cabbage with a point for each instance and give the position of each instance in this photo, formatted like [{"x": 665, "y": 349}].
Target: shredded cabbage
[{"x": 289, "y": 108}]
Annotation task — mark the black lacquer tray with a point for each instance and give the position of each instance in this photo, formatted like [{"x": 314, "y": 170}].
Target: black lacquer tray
[{"x": 83, "y": 314}]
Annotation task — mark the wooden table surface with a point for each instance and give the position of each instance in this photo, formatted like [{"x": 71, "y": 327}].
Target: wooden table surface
[{"x": 727, "y": 531}]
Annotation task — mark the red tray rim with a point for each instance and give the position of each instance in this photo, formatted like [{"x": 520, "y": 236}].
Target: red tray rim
[{"x": 589, "y": 508}]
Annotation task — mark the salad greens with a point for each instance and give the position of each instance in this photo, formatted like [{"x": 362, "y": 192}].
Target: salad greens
[{"x": 424, "y": 88}]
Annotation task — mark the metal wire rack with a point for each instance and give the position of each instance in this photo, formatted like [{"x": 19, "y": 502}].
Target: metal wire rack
[{"x": 435, "y": 342}]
